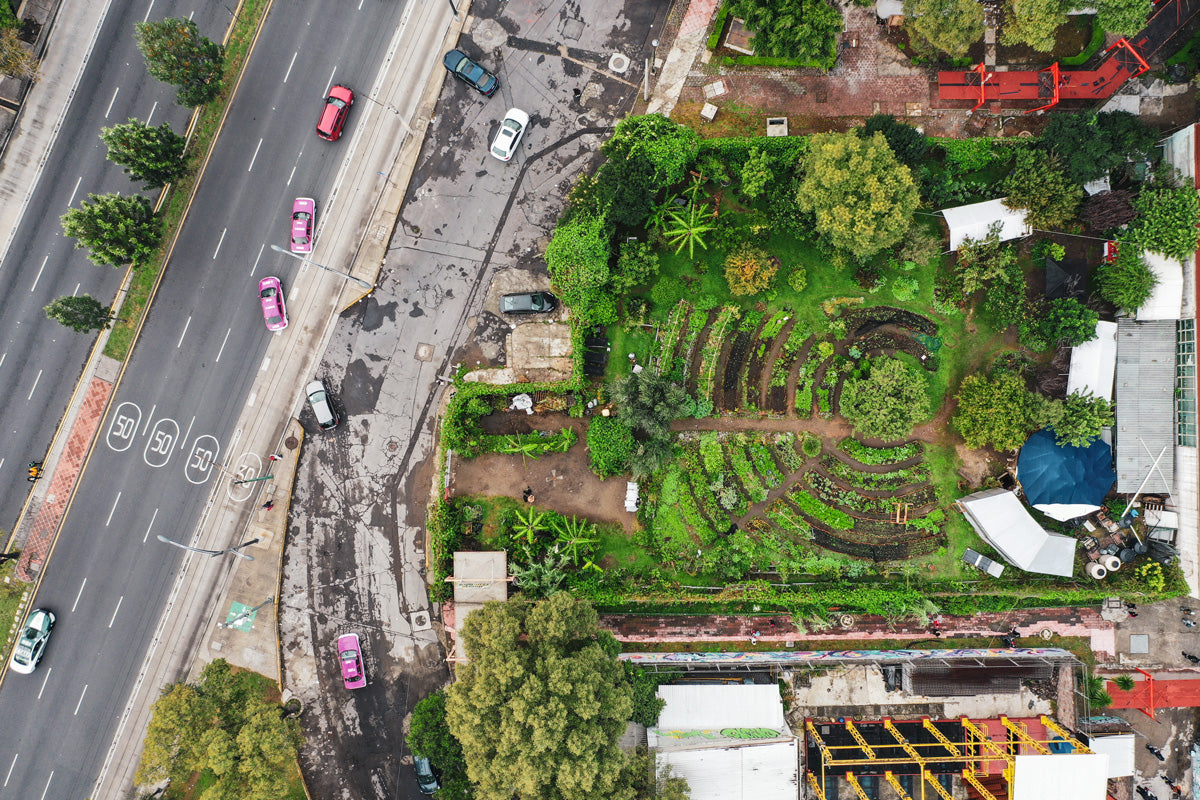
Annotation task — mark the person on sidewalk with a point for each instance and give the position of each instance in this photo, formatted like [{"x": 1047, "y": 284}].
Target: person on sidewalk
[{"x": 267, "y": 506}]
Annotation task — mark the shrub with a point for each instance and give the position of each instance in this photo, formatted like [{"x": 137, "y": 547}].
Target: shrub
[
  {"x": 888, "y": 402},
  {"x": 798, "y": 279},
  {"x": 610, "y": 445},
  {"x": 905, "y": 289},
  {"x": 1128, "y": 281},
  {"x": 811, "y": 445},
  {"x": 1167, "y": 218},
  {"x": 749, "y": 270}
]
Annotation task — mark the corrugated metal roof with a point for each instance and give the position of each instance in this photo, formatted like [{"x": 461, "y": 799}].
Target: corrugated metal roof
[{"x": 1145, "y": 405}]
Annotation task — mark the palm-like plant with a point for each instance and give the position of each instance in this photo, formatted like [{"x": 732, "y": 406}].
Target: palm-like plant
[
  {"x": 529, "y": 524},
  {"x": 687, "y": 229},
  {"x": 574, "y": 534}
]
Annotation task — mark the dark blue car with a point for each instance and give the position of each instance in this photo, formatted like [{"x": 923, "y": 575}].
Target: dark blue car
[{"x": 471, "y": 73}]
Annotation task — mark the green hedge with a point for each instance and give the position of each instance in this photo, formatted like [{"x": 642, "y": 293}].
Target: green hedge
[
  {"x": 443, "y": 527},
  {"x": 714, "y": 38},
  {"x": 787, "y": 149}
]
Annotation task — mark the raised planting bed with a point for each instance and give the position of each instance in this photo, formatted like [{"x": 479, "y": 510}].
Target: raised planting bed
[
  {"x": 865, "y": 454},
  {"x": 880, "y": 481},
  {"x": 887, "y": 341},
  {"x": 670, "y": 335},
  {"x": 896, "y": 551},
  {"x": 710, "y": 355},
  {"x": 743, "y": 470},
  {"x": 862, "y": 506},
  {"x": 784, "y": 447},
  {"x": 863, "y": 321},
  {"x": 730, "y": 379}
]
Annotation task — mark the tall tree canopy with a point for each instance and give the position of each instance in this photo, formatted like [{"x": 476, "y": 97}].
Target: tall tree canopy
[
  {"x": 541, "y": 703},
  {"x": 176, "y": 53},
  {"x": 888, "y": 401},
  {"x": 863, "y": 198},
  {"x": 117, "y": 229},
  {"x": 1032, "y": 22},
  {"x": 908, "y": 144},
  {"x": 81, "y": 313},
  {"x": 429, "y": 736},
  {"x": 1090, "y": 145},
  {"x": 1128, "y": 281},
  {"x": 577, "y": 258},
  {"x": 1122, "y": 17},
  {"x": 1038, "y": 185},
  {"x": 803, "y": 30},
  {"x": 994, "y": 411},
  {"x": 152, "y": 155},
  {"x": 951, "y": 26},
  {"x": 645, "y": 155},
  {"x": 1167, "y": 217}
]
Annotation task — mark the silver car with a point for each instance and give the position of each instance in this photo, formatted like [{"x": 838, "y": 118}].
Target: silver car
[
  {"x": 32, "y": 643},
  {"x": 318, "y": 398}
]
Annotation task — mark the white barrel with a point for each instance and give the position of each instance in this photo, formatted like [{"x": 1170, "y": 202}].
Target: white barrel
[
  {"x": 1111, "y": 563},
  {"x": 1096, "y": 570}
]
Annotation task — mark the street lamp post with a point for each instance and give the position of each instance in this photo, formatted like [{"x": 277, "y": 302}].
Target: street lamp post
[
  {"x": 213, "y": 553},
  {"x": 394, "y": 110},
  {"x": 344, "y": 275}
]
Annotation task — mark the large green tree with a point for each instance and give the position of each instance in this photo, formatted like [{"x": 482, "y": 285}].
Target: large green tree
[
  {"x": 908, "y": 144},
  {"x": 802, "y": 30},
  {"x": 82, "y": 313},
  {"x": 223, "y": 724},
  {"x": 1082, "y": 419},
  {"x": 176, "y": 53},
  {"x": 429, "y": 736},
  {"x": 1067, "y": 321},
  {"x": 541, "y": 703},
  {"x": 951, "y": 26},
  {"x": 985, "y": 261},
  {"x": 1032, "y": 22},
  {"x": 888, "y": 401},
  {"x": 1122, "y": 17},
  {"x": 1167, "y": 217},
  {"x": 152, "y": 155},
  {"x": 1128, "y": 281},
  {"x": 1089, "y": 145},
  {"x": 117, "y": 229},
  {"x": 1038, "y": 185},
  {"x": 995, "y": 411},
  {"x": 863, "y": 198},
  {"x": 577, "y": 258},
  {"x": 645, "y": 155}
]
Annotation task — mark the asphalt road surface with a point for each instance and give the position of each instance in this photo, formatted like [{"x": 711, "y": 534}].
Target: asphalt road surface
[{"x": 200, "y": 355}]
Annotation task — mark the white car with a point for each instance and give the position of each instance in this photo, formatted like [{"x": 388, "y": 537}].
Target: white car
[
  {"x": 31, "y": 644},
  {"x": 509, "y": 136}
]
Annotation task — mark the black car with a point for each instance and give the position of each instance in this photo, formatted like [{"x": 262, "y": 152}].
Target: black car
[
  {"x": 471, "y": 73},
  {"x": 528, "y": 303}
]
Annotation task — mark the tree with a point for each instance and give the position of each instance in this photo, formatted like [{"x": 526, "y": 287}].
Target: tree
[
  {"x": 610, "y": 445},
  {"x": 429, "y": 736},
  {"x": 1032, "y": 22},
  {"x": 81, "y": 313},
  {"x": 1122, "y": 17},
  {"x": 1090, "y": 145},
  {"x": 577, "y": 258},
  {"x": 637, "y": 264},
  {"x": 118, "y": 229},
  {"x": 1127, "y": 282},
  {"x": 801, "y": 30},
  {"x": 749, "y": 269},
  {"x": 984, "y": 261},
  {"x": 756, "y": 172},
  {"x": 1083, "y": 418},
  {"x": 16, "y": 59},
  {"x": 541, "y": 702},
  {"x": 863, "y": 198},
  {"x": 1167, "y": 217},
  {"x": 993, "y": 411},
  {"x": 648, "y": 402},
  {"x": 177, "y": 54},
  {"x": 645, "y": 154},
  {"x": 153, "y": 155},
  {"x": 1068, "y": 322},
  {"x": 951, "y": 26},
  {"x": 1108, "y": 211},
  {"x": 888, "y": 401},
  {"x": 908, "y": 144},
  {"x": 1038, "y": 185}
]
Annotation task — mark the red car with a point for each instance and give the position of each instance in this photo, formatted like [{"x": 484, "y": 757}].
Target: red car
[
  {"x": 333, "y": 116},
  {"x": 350, "y": 657},
  {"x": 270, "y": 294}
]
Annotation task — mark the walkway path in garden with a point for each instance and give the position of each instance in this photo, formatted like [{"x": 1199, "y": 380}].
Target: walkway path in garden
[{"x": 1077, "y": 622}]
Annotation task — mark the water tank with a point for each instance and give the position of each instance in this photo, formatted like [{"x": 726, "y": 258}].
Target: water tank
[
  {"x": 1096, "y": 570},
  {"x": 1111, "y": 563}
]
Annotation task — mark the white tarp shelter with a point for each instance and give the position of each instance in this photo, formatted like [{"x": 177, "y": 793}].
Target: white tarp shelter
[
  {"x": 1166, "y": 299},
  {"x": 974, "y": 220},
  {"x": 1002, "y": 521},
  {"x": 1074, "y": 776},
  {"x": 1094, "y": 363},
  {"x": 1120, "y": 749}
]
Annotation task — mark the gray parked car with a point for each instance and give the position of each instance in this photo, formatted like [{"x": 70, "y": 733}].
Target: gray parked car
[
  {"x": 528, "y": 303},
  {"x": 318, "y": 398},
  {"x": 426, "y": 781}
]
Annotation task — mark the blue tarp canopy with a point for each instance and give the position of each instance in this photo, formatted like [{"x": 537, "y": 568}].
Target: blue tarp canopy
[{"x": 1065, "y": 482}]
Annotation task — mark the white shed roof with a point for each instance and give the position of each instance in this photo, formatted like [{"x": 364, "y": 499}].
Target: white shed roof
[
  {"x": 754, "y": 772},
  {"x": 1094, "y": 363},
  {"x": 1075, "y": 776},
  {"x": 693, "y": 707},
  {"x": 1166, "y": 299},
  {"x": 973, "y": 221},
  {"x": 1002, "y": 521},
  {"x": 1120, "y": 749}
]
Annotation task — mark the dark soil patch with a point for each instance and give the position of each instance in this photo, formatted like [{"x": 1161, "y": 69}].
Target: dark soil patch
[
  {"x": 729, "y": 370},
  {"x": 752, "y": 385}
]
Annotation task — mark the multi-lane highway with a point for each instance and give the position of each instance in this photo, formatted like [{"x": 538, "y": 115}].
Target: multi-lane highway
[{"x": 200, "y": 359}]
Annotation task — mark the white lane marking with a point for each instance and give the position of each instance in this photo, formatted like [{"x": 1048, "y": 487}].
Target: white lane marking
[
  {"x": 73, "y": 191},
  {"x": 266, "y": 363},
  {"x": 149, "y": 418},
  {"x": 35, "y": 383},
  {"x": 112, "y": 510},
  {"x": 292, "y": 175},
  {"x": 151, "y": 525},
  {"x": 48, "y": 781},
  {"x": 10, "y": 768},
  {"x": 254, "y": 266},
  {"x": 2, "y": 357},
  {"x": 360, "y": 4},
  {"x": 188, "y": 434},
  {"x": 39, "y": 275},
  {"x": 185, "y": 329},
  {"x": 115, "y": 610},
  {"x": 253, "y": 157},
  {"x": 76, "y": 292},
  {"x": 290, "y": 65},
  {"x": 45, "y": 680},
  {"x": 250, "y": 400},
  {"x": 191, "y": 15},
  {"x": 223, "y": 342},
  {"x": 153, "y": 108},
  {"x": 148, "y": 8},
  {"x": 79, "y": 595},
  {"x": 220, "y": 242},
  {"x": 77, "y": 705},
  {"x": 110, "y": 102},
  {"x": 330, "y": 82},
  {"x": 1, "y": 464}
]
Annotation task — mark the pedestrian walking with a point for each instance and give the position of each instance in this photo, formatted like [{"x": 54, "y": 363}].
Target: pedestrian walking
[
  {"x": 1188, "y": 611},
  {"x": 274, "y": 457},
  {"x": 1156, "y": 752},
  {"x": 1133, "y": 613},
  {"x": 937, "y": 634},
  {"x": 267, "y": 506}
]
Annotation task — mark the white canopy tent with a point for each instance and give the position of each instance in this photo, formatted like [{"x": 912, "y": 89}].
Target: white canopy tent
[
  {"x": 974, "y": 220},
  {"x": 1075, "y": 776},
  {"x": 1002, "y": 521},
  {"x": 1166, "y": 299},
  {"x": 1094, "y": 363}
]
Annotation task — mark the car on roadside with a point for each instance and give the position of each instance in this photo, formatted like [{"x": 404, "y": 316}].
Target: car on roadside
[
  {"x": 350, "y": 657},
  {"x": 462, "y": 67},
  {"x": 31, "y": 644},
  {"x": 304, "y": 216},
  {"x": 426, "y": 781},
  {"x": 334, "y": 113},
  {"x": 270, "y": 295},
  {"x": 318, "y": 399},
  {"x": 504, "y": 146},
  {"x": 528, "y": 303}
]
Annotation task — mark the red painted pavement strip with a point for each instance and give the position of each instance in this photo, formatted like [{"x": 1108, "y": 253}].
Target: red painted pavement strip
[
  {"x": 66, "y": 472},
  {"x": 1172, "y": 693}
]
